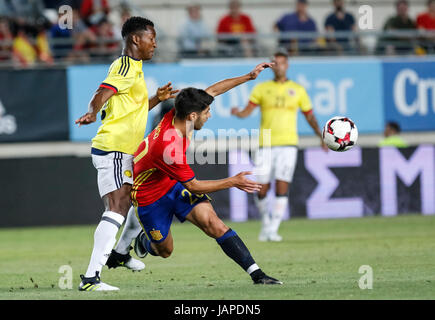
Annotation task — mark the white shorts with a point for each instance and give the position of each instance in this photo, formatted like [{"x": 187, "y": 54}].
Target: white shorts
[
  {"x": 114, "y": 169},
  {"x": 275, "y": 163}
]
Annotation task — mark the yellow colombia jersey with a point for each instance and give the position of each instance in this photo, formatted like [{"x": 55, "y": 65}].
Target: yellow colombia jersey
[
  {"x": 124, "y": 116},
  {"x": 279, "y": 104}
]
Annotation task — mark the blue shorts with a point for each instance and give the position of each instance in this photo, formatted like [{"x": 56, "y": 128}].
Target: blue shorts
[{"x": 156, "y": 218}]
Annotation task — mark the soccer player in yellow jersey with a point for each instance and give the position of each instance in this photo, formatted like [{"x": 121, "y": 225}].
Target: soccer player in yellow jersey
[
  {"x": 279, "y": 101},
  {"x": 123, "y": 101}
]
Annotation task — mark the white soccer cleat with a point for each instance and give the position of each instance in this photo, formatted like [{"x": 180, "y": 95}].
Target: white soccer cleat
[
  {"x": 95, "y": 284},
  {"x": 274, "y": 237},
  {"x": 263, "y": 237},
  {"x": 97, "y": 287},
  {"x": 134, "y": 264}
]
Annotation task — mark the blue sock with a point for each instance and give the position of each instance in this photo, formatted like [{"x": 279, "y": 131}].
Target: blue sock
[{"x": 234, "y": 248}]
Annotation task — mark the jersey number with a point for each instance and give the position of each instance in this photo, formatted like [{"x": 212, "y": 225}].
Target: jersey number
[
  {"x": 280, "y": 102},
  {"x": 191, "y": 199}
]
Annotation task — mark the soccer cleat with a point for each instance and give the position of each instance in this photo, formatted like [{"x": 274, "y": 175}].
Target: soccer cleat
[
  {"x": 124, "y": 260},
  {"x": 94, "y": 284},
  {"x": 265, "y": 279},
  {"x": 263, "y": 237},
  {"x": 274, "y": 237},
  {"x": 139, "y": 248}
]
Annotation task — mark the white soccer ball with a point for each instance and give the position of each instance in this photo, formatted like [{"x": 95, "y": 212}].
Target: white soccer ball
[{"x": 340, "y": 133}]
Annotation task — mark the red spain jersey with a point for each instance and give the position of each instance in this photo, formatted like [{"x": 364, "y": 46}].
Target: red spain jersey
[{"x": 160, "y": 162}]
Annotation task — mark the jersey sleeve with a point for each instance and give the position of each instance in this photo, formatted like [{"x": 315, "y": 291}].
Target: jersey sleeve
[
  {"x": 121, "y": 77},
  {"x": 256, "y": 95},
  {"x": 304, "y": 101}
]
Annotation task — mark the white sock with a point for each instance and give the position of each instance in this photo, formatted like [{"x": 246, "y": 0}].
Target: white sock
[
  {"x": 252, "y": 268},
  {"x": 131, "y": 230},
  {"x": 104, "y": 240},
  {"x": 262, "y": 206},
  {"x": 278, "y": 212}
]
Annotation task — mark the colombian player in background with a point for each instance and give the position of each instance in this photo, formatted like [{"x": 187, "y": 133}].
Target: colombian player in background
[
  {"x": 124, "y": 104},
  {"x": 165, "y": 185},
  {"x": 279, "y": 101}
]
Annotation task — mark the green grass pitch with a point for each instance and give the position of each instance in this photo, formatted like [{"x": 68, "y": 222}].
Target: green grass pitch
[{"x": 318, "y": 259}]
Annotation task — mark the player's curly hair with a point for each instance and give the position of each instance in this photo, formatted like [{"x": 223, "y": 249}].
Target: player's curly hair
[
  {"x": 191, "y": 100},
  {"x": 135, "y": 24}
]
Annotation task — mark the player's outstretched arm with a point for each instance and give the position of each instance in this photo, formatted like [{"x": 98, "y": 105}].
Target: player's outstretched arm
[
  {"x": 245, "y": 112},
  {"x": 163, "y": 93},
  {"x": 312, "y": 121},
  {"x": 97, "y": 102},
  {"x": 227, "y": 84},
  {"x": 238, "y": 181}
]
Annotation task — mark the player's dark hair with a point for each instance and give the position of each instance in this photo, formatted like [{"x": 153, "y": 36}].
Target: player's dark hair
[
  {"x": 135, "y": 24},
  {"x": 280, "y": 53},
  {"x": 191, "y": 100},
  {"x": 394, "y": 125}
]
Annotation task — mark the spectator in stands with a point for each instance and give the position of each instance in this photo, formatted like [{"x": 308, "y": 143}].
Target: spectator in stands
[
  {"x": 340, "y": 21},
  {"x": 426, "y": 21},
  {"x": 6, "y": 39},
  {"x": 298, "y": 21},
  {"x": 29, "y": 48},
  {"x": 107, "y": 45},
  {"x": 6, "y": 8},
  {"x": 402, "y": 44},
  {"x": 92, "y": 11},
  {"x": 73, "y": 44},
  {"x": 31, "y": 11},
  {"x": 43, "y": 46},
  {"x": 193, "y": 33},
  {"x": 55, "y": 4},
  {"x": 24, "y": 51},
  {"x": 239, "y": 25},
  {"x": 125, "y": 13},
  {"x": 62, "y": 39},
  {"x": 392, "y": 136}
]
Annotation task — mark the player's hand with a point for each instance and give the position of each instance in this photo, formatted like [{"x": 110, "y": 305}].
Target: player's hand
[
  {"x": 166, "y": 92},
  {"x": 244, "y": 184},
  {"x": 264, "y": 65},
  {"x": 87, "y": 118},
  {"x": 234, "y": 111}
]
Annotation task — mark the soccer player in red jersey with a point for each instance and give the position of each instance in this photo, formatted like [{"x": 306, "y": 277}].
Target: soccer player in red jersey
[{"x": 165, "y": 185}]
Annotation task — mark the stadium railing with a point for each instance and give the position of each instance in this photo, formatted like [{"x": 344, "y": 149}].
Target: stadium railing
[{"x": 361, "y": 43}]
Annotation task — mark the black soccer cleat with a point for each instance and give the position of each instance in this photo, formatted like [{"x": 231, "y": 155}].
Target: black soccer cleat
[
  {"x": 117, "y": 259},
  {"x": 265, "y": 279},
  {"x": 124, "y": 260},
  {"x": 139, "y": 247}
]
